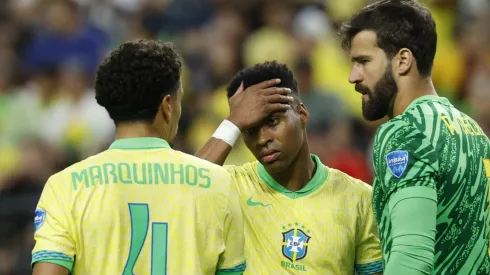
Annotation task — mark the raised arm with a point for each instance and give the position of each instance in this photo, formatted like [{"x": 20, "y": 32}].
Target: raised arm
[
  {"x": 49, "y": 269},
  {"x": 247, "y": 108}
]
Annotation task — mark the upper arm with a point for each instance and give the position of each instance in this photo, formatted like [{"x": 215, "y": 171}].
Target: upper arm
[
  {"x": 46, "y": 268},
  {"x": 368, "y": 248},
  {"x": 54, "y": 241},
  {"x": 404, "y": 157},
  {"x": 233, "y": 258}
]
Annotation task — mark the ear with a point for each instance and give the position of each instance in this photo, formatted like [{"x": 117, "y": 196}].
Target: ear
[
  {"x": 303, "y": 113},
  {"x": 404, "y": 61},
  {"x": 166, "y": 107}
]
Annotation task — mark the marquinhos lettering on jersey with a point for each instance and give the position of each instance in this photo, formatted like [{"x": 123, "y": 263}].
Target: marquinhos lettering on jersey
[{"x": 141, "y": 173}]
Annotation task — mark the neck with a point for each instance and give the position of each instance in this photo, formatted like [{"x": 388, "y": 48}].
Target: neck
[
  {"x": 135, "y": 130},
  {"x": 299, "y": 172},
  {"x": 408, "y": 91}
]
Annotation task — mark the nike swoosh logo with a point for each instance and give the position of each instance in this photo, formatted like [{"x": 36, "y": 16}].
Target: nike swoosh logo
[{"x": 253, "y": 203}]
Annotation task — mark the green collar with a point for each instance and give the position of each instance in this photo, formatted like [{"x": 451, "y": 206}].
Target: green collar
[
  {"x": 321, "y": 175},
  {"x": 142, "y": 143},
  {"x": 426, "y": 98}
]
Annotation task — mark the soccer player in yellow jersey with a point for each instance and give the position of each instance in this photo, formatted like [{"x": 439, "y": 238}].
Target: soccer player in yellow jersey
[
  {"x": 140, "y": 207},
  {"x": 301, "y": 217}
]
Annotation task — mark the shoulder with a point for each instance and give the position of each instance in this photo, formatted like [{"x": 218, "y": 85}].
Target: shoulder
[
  {"x": 393, "y": 128},
  {"x": 424, "y": 117},
  {"x": 349, "y": 184},
  {"x": 191, "y": 159},
  {"x": 247, "y": 169},
  {"x": 218, "y": 173},
  {"x": 400, "y": 133}
]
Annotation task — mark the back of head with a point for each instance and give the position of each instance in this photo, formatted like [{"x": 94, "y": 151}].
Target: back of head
[
  {"x": 262, "y": 72},
  {"x": 132, "y": 81},
  {"x": 398, "y": 24}
]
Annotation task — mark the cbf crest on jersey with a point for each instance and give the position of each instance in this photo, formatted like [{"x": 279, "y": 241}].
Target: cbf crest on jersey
[
  {"x": 295, "y": 243},
  {"x": 397, "y": 162},
  {"x": 39, "y": 218}
]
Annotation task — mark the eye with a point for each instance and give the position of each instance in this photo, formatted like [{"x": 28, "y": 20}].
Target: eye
[{"x": 273, "y": 121}]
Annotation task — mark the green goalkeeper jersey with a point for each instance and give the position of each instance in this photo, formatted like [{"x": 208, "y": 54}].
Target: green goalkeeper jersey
[{"x": 434, "y": 145}]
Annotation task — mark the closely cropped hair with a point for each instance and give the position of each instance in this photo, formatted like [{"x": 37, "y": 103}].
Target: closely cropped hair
[
  {"x": 398, "y": 24},
  {"x": 261, "y": 72},
  {"x": 133, "y": 80}
]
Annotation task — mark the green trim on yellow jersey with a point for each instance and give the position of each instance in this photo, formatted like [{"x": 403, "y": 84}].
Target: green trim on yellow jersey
[
  {"x": 220, "y": 272},
  {"x": 321, "y": 175},
  {"x": 141, "y": 143}
]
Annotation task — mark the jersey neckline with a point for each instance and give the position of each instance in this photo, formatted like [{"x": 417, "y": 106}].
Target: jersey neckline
[
  {"x": 321, "y": 175},
  {"x": 140, "y": 143}
]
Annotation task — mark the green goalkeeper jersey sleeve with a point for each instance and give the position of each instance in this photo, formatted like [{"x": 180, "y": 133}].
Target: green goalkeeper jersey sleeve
[{"x": 434, "y": 145}]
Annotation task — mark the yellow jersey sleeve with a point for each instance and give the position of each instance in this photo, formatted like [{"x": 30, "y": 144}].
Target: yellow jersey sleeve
[
  {"x": 54, "y": 241},
  {"x": 368, "y": 250},
  {"x": 232, "y": 260}
]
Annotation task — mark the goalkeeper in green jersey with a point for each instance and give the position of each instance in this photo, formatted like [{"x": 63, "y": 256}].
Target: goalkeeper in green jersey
[{"x": 431, "y": 161}]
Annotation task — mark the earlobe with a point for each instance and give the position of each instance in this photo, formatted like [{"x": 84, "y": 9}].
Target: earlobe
[{"x": 405, "y": 61}]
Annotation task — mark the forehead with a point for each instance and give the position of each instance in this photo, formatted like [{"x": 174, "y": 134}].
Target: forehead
[{"x": 365, "y": 44}]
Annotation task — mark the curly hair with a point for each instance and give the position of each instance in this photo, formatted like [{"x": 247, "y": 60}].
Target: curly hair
[
  {"x": 398, "y": 24},
  {"x": 262, "y": 72},
  {"x": 132, "y": 81}
]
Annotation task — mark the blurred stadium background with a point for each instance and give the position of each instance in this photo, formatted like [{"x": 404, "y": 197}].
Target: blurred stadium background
[{"x": 49, "y": 51}]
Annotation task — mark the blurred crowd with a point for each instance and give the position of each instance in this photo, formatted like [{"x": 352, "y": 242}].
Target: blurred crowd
[{"x": 50, "y": 49}]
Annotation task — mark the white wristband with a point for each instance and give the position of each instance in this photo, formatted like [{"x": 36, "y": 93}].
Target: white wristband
[{"x": 227, "y": 132}]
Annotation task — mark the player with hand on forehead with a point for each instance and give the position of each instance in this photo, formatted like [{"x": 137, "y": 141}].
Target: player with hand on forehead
[{"x": 300, "y": 216}]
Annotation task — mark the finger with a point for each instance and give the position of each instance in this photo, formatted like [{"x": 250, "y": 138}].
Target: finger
[
  {"x": 276, "y": 90},
  {"x": 240, "y": 89},
  {"x": 277, "y": 98},
  {"x": 277, "y": 108},
  {"x": 265, "y": 84}
]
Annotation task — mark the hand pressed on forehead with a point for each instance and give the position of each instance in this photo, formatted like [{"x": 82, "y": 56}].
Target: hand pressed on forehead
[{"x": 251, "y": 105}]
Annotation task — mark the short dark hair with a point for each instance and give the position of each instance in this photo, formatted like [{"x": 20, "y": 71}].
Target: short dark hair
[
  {"x": 133, "y": 80},
  {"x": 262, "y": 72},
  {"x": 398, "y": 24}
]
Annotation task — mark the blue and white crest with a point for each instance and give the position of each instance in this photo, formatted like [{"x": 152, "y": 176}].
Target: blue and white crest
[
  {"x": 397, "y": 161},
  {"x": 295, "y": 244},
  {"x": 39, "y": 218}
]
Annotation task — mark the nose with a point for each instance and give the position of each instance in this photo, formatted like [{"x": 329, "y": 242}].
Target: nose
[
  {"x": 265, "y": 136},
  {"x": 355, "y": 75}
]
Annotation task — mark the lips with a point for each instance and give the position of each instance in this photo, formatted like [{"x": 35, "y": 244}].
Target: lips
[
  {"x": 361, "y": 90},
  {"x": 270, "y": 156}
]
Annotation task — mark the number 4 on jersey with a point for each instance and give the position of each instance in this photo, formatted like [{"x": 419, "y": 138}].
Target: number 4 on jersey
[{"x": 140, "y": 219}]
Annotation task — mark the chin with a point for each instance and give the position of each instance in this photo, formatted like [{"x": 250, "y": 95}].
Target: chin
[
  {"x": 370, "y": 113},
  {"x": 370, "y": 117},
  {"x": 276, "y": 166}
]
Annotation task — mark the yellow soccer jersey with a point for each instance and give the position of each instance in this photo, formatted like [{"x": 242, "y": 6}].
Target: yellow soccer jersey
[
  {"x": 140, "y": 208},
  {"x": 328, "y": 227}
]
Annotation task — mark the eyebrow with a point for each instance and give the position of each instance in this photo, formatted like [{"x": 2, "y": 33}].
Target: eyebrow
[{"x": 359, "y": 58}]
